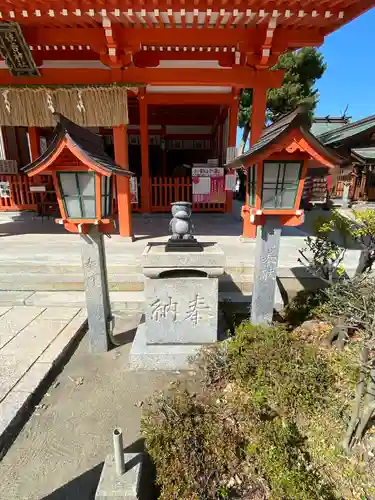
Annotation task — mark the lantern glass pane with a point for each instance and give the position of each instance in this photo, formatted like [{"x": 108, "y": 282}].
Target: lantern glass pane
[
  {"x": 252, "y": 179},
  {"x": 89, "y": 209},
  {"x": 106, "y": 196},
  {"x": 78, "y": 194},
  {"x": 288, "y": 197},
  {"x": 73, "y": 207},
  {"x": 280, "y": 184},
  {"x": 270, "y": 171},
  {"x": 68, "y": 184},
  {"x": 86, "y": 184},
  {"x": 292, "y": 172},
  {"x": 269, "y": 198}
]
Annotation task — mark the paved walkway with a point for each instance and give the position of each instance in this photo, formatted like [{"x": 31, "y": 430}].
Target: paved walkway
[
  {"x": 32, "y": 340},
  {"x": 59, "y": 453}
]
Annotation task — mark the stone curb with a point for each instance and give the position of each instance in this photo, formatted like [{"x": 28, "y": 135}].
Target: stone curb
[{"x": 18, "y": 404}]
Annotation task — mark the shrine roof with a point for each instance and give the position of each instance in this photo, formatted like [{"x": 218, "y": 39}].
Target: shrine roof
[
  {"x": 279, "y": 132},
  {"x": 89, "y": 145},
  {"x": 322, "y": 125},
  {"x": 364, "y": 153},
  {"x": 52, "y": 13},
  {"x": 348, "y": 130}
]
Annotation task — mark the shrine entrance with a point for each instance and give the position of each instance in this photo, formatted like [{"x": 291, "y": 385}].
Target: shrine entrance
[{"x": 183, "y": 141}]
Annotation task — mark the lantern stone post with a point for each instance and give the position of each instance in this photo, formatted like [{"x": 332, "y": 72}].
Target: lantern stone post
[
  {"x": 84, "y": 183},
  {"x": 96, "y": 289},
  {"x": 265, "y": 271},
  {"x": 281, "y": 157}
]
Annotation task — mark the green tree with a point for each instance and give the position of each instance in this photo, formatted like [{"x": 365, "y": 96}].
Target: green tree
[{"x": 302, "y": 69}]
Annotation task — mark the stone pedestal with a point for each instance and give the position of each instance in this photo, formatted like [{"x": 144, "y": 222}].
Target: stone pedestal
[
  {"x": 265, "y": 271},
  {"x": 181, "y": 292},
  {"x": 124, "y": 487},
  {"x": 96, "y": 289}
]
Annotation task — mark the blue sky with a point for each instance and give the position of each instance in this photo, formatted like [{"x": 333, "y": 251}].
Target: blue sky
[{"x": 350, "y": 75}]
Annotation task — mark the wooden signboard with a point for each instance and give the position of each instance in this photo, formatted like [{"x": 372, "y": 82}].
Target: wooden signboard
[
  {"x": 8, "y": 167},
  {"x": 15, "y": 51}
]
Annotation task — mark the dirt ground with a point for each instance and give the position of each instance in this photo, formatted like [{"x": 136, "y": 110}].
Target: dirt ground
[{"x": 60, "y": 451}]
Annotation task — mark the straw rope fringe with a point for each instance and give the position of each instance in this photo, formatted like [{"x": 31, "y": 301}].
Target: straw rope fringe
[{"x": 88, "y": 107}]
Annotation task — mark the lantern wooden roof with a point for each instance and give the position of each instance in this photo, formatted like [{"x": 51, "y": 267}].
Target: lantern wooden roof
[
  {"x": 86, "y": 146},
  {"x": 289, "y": 134}
]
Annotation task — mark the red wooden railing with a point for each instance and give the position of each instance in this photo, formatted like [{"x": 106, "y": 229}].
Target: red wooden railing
[
  {"x": 166, "y": 190},
  {"x": 20, "y": 196}
]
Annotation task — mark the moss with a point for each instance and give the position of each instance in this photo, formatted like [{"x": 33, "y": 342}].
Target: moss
[{"x": 237, "y": 437}]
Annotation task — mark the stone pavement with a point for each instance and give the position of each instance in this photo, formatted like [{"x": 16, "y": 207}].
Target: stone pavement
[
  {"x": 59, "y": 453},
  {"x": 32, "y": 340},
  {"x": 38, "y": 256}
]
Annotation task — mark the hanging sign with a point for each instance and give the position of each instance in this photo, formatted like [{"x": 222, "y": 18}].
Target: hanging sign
[
  {"x": 217, "y": 194},
  {"x": 208, "y": 190},
  {"x": 4, "y": 190},
  {"x": 201, "y": 189},
  {"x": 134, "y": 190},
  {"x": 15, "y": 51},
  {"x": 207, "y": 171},
  {"x": 230, "y": 182}
]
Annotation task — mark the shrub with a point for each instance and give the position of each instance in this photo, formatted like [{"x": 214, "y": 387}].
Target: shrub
[
  {"x": 303, "y": 306},
  {"x": 278, "y": 369},
  {"x": 238, "y": 437}
]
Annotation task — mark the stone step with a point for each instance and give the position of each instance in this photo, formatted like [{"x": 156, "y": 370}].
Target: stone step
[
  {"x": 236, "y": 282},
  {"x": 56, "y": 268},
  {"x": 40, "y": 282},
  {"x": 121, "y": 301}
]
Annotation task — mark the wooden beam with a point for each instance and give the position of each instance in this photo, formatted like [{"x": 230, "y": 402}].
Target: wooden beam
[
  {"x": 152, "y": 59},
  {"x": 34, "y": 141},
  {"x": 189, "y": 99},
  {"x": 244, "y": 38},
  {"x": 145, "y": 178},
  {"x": 240, "y": 77},
  {"x": 233, "y": 120}
]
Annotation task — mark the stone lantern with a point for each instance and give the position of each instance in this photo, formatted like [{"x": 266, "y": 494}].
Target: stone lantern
[
  {"x": 278, "y": 163},
  {"x": 83, "y": 176}
]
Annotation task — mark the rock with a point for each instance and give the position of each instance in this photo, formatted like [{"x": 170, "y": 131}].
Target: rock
[{"x": 311, "y": 325}]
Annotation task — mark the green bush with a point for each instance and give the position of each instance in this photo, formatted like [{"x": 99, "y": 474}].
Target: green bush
[
  {"x": 303, "y": 306},
  {"x": 279, "y": 369},
  {"x": 238, "y": 436}
]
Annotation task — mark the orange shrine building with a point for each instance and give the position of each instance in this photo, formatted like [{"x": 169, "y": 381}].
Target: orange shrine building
[{"x": 161, "y": 82}]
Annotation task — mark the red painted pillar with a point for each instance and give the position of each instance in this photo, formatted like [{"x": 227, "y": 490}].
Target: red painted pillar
[
  {"x": 145, "y": 180},
  {"x": 220, "y": 143},
  {"x": 34, "y": 141},
  {"x": 232, "y": 139},
  {"x": 258, "y": 118},
  {"x": 164, "y": 153},
  {"x": 120, "y": 141}
]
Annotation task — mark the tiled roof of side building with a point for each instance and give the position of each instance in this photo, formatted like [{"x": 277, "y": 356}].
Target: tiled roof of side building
[
  {"x": 364, "y": 153},
  {"x": 348, "y": 130}
]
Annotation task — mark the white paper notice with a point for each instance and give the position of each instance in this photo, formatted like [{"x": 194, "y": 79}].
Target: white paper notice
[
  {"x": 230, "y": 182},
  {"x": 201, "y": 185}
]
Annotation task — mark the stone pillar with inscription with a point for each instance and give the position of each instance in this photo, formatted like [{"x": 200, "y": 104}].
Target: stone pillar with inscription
[
  {"x": 181, "y": 294},
  {"x": 265, "y": 271}
]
